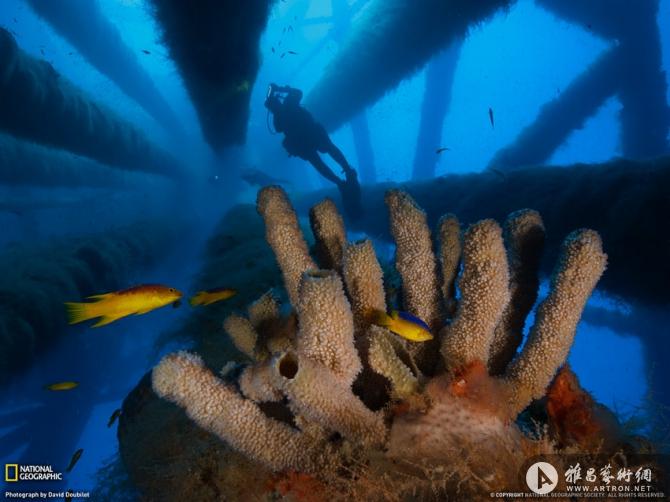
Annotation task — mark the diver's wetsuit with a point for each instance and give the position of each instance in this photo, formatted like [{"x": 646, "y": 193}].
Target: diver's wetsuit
[{"x": 304, "y": 137}]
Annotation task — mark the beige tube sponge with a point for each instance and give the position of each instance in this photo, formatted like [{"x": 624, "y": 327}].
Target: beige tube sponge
[
  {"x": 242, "y": 333},
  {"x": 484, "y": 294},
  {"x": 263, "y": 311},
  {"x": 580, "y": 266},
  {"x": 318, "y": 394},
  {"x": 258, "y": 382},
  {"x": 364, "y": 279},
  {"x": 415, "y": 260},
  {"x": 329, "y": 234},
  {"x": 265, "y": 318},
  {"x": 384, "y": 360},
  {"x": 183, "y": 379},
  {"x": 449, "y": 233},
  {"x": 282, "y": 337},
  {"x": 285, "y": 237},
  {"x": 524, "y": 239},
  {"x": 326, "y": 333}
]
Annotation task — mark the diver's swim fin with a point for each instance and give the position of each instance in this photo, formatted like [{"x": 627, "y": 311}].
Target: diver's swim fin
[{"x": 350, "y": 191}]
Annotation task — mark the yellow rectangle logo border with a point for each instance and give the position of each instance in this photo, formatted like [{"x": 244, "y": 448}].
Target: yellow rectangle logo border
[{"x": 16, "y": 473}]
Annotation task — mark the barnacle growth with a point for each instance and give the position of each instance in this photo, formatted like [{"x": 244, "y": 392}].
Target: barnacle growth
[{"x": 370, "y": 417}]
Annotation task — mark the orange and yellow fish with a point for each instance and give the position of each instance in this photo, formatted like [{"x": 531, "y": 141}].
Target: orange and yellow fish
[
  {"x": 404, "y": 324},
  {"x": 113, "y": 306},
  {"x": 210, "y": 296}
]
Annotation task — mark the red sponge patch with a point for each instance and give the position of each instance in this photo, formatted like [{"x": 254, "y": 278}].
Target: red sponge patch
[{"x": 574, "y": 416}]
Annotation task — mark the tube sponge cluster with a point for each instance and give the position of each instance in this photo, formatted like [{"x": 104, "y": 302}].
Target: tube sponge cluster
[
  {"x": 434, "y": 407},
  {"x": 36, "y": 280}
]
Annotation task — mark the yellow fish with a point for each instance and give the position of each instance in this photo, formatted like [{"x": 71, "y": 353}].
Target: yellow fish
[
  {"x": 113, "y": 306},
  {"x": 404, "y": 324},
  {"x": 210, "y": 296},
  {"x": 60, "y": 386}
]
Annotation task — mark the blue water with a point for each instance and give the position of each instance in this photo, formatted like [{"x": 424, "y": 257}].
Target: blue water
[{"x": 513, "y": 63}]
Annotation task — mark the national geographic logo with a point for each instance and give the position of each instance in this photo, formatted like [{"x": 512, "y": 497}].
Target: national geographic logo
[
  {"x": 11, "y": 473},
  {"x": 17, "y": 472}
]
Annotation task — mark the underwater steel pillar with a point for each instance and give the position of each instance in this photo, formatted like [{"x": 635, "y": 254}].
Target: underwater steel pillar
[
  {"x": 436, "y": 98},
  {"x": 37, "y": 279},
  {"x": 215, "y": 47},
  {"x": 40, "y": 105},
  {"x": 625, "y": 201},
  {"x": 390, "y": 40},
  {"x": 23, "y": 163},
  {"x": 631, "y": 69},
  {"x": 645, "y": 114},
  {"x": 366, "y": 157},
  {"x": 648, "y": 324},
  {"x": 559, "y": 117},
  {"x": 97, "y": 39}
]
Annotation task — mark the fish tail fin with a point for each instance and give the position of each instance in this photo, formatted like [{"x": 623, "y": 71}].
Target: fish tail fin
[
  {"x": 381, "y": 318},
  {"x": 196, "y": 299},
  {"x": 79, "y": 312}
]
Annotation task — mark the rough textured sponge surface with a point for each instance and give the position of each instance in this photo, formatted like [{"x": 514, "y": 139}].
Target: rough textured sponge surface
[
  {"x": 581, "y": 264},
  {"x": 344, "y": 408},
  {"x": 484, "y": 294}
]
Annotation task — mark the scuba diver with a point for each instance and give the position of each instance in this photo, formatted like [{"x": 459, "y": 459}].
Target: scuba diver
[{"x": 304, "y": 137}]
